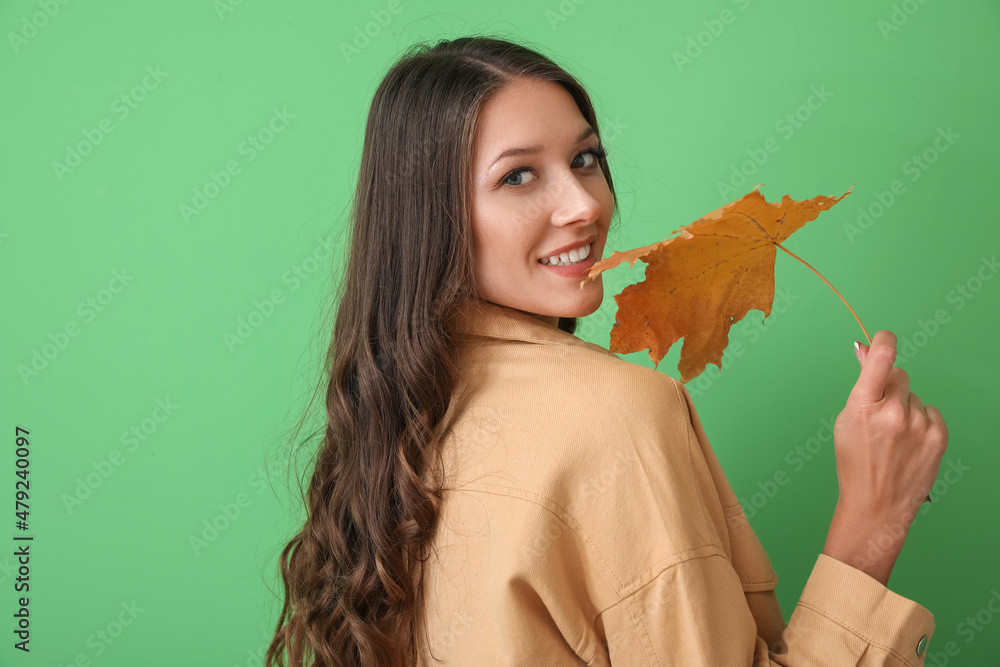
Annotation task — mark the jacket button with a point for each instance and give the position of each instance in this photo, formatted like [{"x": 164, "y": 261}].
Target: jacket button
[{"x": 921, "y": 645}]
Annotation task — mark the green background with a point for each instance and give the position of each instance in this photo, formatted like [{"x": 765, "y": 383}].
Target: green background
[{"x": 892, "y": 76}]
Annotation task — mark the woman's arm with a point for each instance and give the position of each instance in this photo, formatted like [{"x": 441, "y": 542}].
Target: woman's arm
[
  {"x": 697, "y": 613},
  {"x": 889, "y": 447},
  {"x": 713, "y": 610}
]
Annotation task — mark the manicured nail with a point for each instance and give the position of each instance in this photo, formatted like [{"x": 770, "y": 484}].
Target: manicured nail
[{"x": 857, "y": 350}]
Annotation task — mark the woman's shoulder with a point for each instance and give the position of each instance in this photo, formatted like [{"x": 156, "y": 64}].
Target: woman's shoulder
[
  {"x": 595, "y": 380},
  {"x": 575, "y": 439},
  {"x": 556, "y": 412},
  {"x": 536, "y": 379}
]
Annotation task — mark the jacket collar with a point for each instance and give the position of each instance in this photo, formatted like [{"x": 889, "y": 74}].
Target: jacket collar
[{"x": 478, "y": 317}]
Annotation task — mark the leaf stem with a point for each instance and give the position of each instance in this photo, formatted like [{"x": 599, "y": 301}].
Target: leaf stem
[{"x": 831, "y": 287}]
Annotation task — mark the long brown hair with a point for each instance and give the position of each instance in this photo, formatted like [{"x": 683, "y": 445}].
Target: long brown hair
[{"x": 352, "y": 575}]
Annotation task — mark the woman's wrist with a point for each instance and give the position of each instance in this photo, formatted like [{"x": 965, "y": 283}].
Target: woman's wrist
[{"x": 866, "y": 542}]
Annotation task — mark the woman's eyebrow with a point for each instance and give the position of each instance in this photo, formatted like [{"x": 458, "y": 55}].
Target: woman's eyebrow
[{"x": 529, "y": 150}]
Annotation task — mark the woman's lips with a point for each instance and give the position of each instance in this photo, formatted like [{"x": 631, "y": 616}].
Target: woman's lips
[{"x": 573, "y": 270}]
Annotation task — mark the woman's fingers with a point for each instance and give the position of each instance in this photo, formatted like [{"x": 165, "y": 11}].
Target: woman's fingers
[
  {"x": 878, "y": 364},
  {"x": 937, "y": 425},
  {"x": 897, "y": 387}
]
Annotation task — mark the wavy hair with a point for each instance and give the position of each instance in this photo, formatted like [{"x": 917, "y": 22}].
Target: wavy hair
[{"x": 352, "y": 575}]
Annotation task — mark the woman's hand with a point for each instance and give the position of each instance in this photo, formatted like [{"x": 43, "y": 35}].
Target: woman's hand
[{"x": 889, "y": 446}]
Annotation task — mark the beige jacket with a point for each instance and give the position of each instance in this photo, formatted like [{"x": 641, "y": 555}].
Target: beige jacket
[{"x": 587, "y": 521}]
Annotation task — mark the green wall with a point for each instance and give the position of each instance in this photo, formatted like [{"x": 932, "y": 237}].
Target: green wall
[{"x": 206, "y": 156}]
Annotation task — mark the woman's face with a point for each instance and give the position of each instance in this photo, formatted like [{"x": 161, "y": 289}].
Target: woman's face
[{"x": 545, "y": 199}]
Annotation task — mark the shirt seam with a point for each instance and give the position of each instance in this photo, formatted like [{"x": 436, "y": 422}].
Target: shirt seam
[
  {"x": 728, "y": 511},
  {"x": 568, "y": 519},
  {"x": 639, "y": 620},
  {"x": 732, "y": 510},
  {"x": 573, "y": 524},
  {"x": 856, "y": 633},
  {"x": 663, "y": 569},
  {"x": 682, "y": 402}
]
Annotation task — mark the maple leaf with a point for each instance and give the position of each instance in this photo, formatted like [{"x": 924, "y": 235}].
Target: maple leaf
[{"x": 700, "y": 283}]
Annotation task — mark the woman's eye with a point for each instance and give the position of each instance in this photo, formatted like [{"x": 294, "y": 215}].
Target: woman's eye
[
  {"x": 514, "y": 174},
  {"x": 593, "y": 158},
  {"x": 593, "y": 153}
]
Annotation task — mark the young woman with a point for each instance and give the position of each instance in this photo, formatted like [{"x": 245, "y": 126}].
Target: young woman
[{"x": 493, "y": 490}]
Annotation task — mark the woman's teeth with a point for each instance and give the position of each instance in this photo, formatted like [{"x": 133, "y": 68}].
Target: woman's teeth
[{"x": 574, "y": 256}]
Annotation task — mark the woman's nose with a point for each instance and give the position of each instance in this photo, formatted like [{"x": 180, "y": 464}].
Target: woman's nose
[{"x": 573, "y": 202}]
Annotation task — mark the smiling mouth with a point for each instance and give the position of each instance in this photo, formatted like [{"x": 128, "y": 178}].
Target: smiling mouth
[{"x": 569, "y": 258}]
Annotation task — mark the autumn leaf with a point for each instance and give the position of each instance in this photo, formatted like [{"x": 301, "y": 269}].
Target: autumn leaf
[{"x": 700, "y": 283}]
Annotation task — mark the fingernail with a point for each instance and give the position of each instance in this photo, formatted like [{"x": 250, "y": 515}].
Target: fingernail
[{"x": 857, "y": 350}]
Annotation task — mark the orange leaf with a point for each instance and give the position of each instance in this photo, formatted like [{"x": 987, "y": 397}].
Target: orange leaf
[{"x": 700, "y": 283}]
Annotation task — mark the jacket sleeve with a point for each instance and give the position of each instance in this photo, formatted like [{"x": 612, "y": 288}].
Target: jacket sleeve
[
  {"x": 695, "y": 613},
  {"x": 699, "y": 611}
]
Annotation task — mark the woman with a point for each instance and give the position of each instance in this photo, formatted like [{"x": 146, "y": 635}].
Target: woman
[{"x": 493, "y": 490}]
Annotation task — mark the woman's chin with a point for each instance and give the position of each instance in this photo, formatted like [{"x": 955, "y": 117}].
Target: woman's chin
[
  {"x": 587, "y": 305},
  {"x": 585, "y": 302}
]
